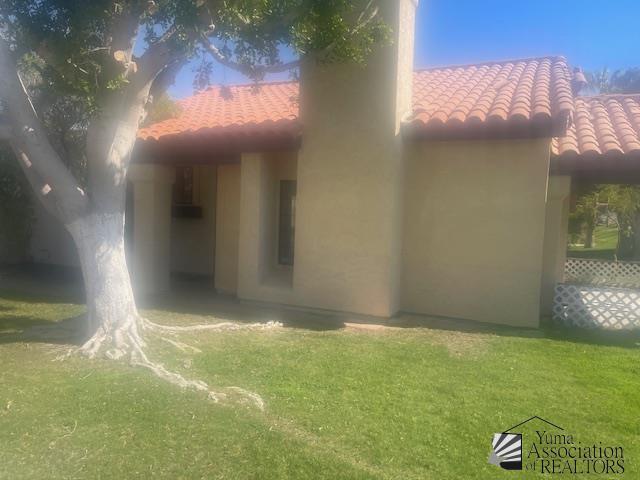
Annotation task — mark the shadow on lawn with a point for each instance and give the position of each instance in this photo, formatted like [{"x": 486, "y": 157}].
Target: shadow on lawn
[
  {"x": 14, "y": 328},
  {"x": 48, "y": 283},
  {"x": 548, "y": 330},
  {"x": 609, "y": 254},
  {"x": 613, "y": 338},
  {"x": 23, "y": 329},
  {"x": 227, "y": 308},
  {"x": 197, "y": 296},
  {"x": 230, "y": 308}
]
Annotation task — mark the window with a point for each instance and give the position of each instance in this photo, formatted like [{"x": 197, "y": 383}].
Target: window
[
  {"x": 186, "y": 194},
  {"x": 286, "y": 221},
  {"x": 183, "y": 186}
]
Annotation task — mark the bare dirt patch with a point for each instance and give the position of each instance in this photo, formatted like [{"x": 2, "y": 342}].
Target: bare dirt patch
[{"x": 457, "y": 343}]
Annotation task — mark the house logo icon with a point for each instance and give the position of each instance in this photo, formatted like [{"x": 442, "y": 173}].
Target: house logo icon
[
  {"x": 507, "y": 451},
  {"x": 506, "y": 447}
]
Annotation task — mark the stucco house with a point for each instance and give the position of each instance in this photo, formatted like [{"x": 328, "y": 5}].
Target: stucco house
[{"x": 377, "y": 189}]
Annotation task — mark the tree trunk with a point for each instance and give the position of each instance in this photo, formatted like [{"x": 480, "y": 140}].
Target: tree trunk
[
  {"x": 625, "y": 242},
  {"x": 636, "y": 236},
  {"x": 112, "y": 316},
  {"x": 588, "y": 236}
]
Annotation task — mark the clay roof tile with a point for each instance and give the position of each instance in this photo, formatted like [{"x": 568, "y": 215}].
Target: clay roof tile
[
  {"x": 602, "y": 124},
  {"x": 518, "y": 90}
]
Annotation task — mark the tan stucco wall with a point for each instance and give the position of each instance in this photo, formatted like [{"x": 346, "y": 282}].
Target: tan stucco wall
[
  {"x": 259, "y": 275},
  {"x": 555, "y": 237},
  {"x": 348, "y": 236},
  {"x": 227, "y": 229},
  {"x": 474, "y": 230},
  {"x": 193, "y": 239}
]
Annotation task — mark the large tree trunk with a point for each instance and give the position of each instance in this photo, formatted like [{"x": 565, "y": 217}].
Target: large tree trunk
[
  {"x": 95, "y": 218},
  {"x": 112, "y": 316}
]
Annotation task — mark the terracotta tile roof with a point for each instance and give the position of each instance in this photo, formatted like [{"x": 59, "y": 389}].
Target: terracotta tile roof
[
  {"x": 602, "y": 125},
  {"x": 511, "y": 92},
  {"x": 240, "y": 110},
  {"x": 518, "y": 91}
]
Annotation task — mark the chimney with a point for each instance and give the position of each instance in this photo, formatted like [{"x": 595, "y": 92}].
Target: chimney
[
  {"x": 350, "y": 174},
  {"x": 578, "y": 81}
]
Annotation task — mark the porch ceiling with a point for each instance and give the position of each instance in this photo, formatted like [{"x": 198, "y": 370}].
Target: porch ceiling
[{"x": 194, "y": 148}]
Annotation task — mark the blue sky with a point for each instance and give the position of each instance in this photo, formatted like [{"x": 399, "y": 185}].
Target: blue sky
[{"x": 590, "y": 33}]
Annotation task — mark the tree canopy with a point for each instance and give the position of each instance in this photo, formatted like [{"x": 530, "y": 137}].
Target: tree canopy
[
  {"x": 79, "y": 48},
  {"x": 596, "y": 201},
  {"x": 620, "y": 81},
  {"x": 78, "y": 59}
]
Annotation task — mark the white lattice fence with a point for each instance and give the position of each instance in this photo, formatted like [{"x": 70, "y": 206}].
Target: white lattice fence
[
  {"x": 597, "y": 307},
  {"x": 602, "y": 272}
]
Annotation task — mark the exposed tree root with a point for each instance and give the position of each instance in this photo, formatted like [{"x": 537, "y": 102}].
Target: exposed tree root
[
  {"x": 215, "y": 327},
  {"x": 183, "y": 347},
  {"x": 126, "y": 341}
]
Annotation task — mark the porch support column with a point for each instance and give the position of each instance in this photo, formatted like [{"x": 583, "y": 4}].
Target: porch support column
[
  {"x": 252, "y": 246},
  {"x": 151, "y": 227},
  {"x": 227, "y": 229},
  {"x": 555, "y": 238}
]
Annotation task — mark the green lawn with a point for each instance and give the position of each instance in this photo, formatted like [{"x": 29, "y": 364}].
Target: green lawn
[
  {"x": 606, "y": 242},
  {"x": 351, "y": 403}
]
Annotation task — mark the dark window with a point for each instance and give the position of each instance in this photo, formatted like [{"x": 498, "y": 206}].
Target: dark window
[
  {"x": 183, "y": 186},
  {"x": 286, "y": 221},
  {"x": 185, "y": 201}
]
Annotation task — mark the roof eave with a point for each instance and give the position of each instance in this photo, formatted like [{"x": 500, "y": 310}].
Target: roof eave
[
  {"x": 609, "y": 167},
  {"x": 210, "y": 149},
  {"x": 541, "y": 127}
]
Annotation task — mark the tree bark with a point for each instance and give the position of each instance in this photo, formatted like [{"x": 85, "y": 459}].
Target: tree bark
[
  {"x": 636, "y": 236},
  {"x": 588, "y": 236},
  {"x": 112, "y": 316},
  {"x": 625, "y": 241}
]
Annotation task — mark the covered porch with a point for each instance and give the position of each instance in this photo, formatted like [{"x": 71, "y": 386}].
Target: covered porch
[
  {"x": 186, "y": 211},
  {"x": 602, "y": 147}
]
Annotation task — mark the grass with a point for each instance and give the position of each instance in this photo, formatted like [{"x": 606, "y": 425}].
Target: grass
[
  {"x": 606, "y": 242},
  {"x": 350, "y": 403}
]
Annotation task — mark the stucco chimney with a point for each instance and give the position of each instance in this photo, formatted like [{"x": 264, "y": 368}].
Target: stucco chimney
[
  {"x": 350, "y": 171},
  {"x": 578, "y": 81}
]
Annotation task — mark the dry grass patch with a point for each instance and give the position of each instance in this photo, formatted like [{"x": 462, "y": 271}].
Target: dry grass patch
[{"x": 456, "y": 343}]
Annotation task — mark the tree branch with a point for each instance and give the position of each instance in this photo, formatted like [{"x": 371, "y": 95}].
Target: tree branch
[
  {"x": 111, "y": 132},
  {"x": 367, "y": 15},
  {"x": 364, "y": 19},
  {"x": 157, "y": 57},
  {"x": 30, "y": 140},
  {"x": 248, "y": 70},
  {"x": 123, "y": 33},
  {"x": 40, "y": 187}
]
